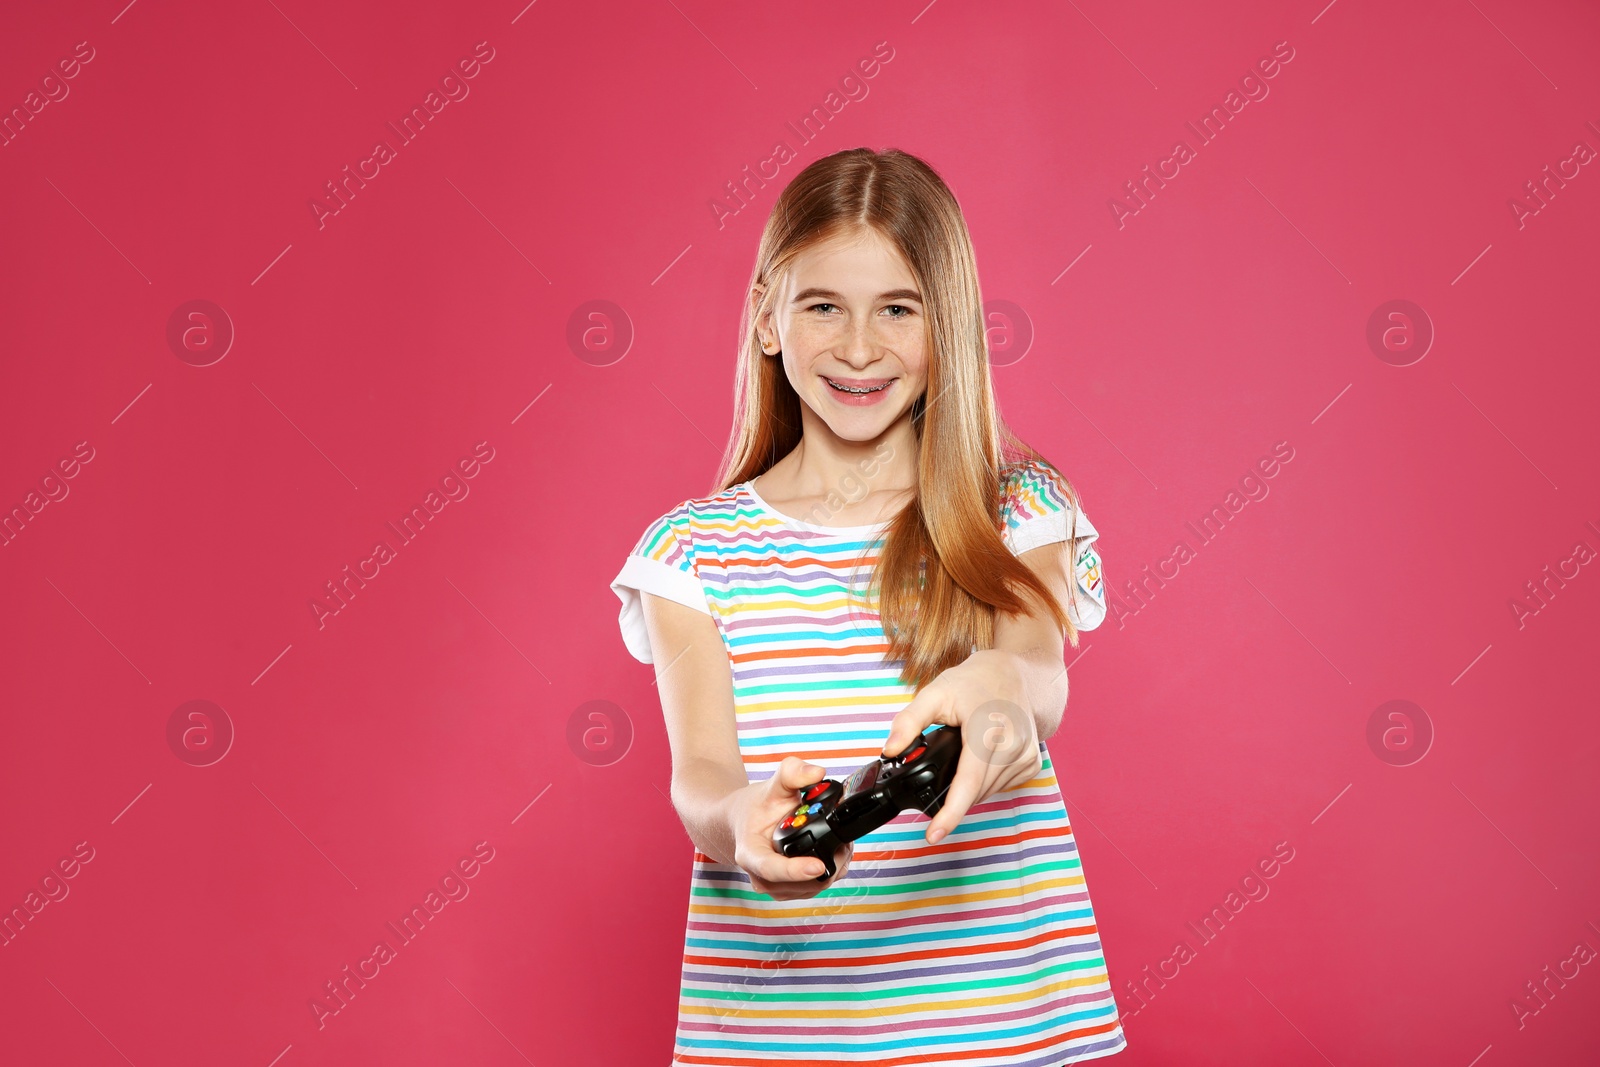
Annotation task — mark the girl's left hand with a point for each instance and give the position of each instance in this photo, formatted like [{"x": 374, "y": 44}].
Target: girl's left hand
[{"x": 983, "y": 697}]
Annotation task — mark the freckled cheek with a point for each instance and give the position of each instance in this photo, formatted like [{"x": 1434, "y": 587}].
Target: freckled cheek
[{"x": 812, "y": 335}]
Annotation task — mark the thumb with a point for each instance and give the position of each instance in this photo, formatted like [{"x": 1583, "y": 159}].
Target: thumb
[{"x": 796, "y": 773}]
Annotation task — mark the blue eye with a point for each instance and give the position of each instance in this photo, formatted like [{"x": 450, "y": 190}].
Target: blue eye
[{"x": 900, "y": 307}]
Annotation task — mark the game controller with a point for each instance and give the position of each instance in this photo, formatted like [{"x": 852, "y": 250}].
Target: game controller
[{"x": 831, "y": 814}]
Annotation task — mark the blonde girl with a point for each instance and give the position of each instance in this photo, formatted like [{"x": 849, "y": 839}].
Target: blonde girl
[{"x": 878, "y": 554}]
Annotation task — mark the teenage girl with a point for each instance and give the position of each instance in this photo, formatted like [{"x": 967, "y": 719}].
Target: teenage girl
[{"x": 880, "y": 554}]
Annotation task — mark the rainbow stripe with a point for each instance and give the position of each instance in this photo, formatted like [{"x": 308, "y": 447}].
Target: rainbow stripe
[{"x": 981, "y": 950}]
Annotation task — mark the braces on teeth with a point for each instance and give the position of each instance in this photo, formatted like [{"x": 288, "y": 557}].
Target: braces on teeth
[{"x": 858, "y": 392}]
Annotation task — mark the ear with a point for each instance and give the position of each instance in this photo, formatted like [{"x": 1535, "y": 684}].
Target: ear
[{"x": 763, "y": 324}]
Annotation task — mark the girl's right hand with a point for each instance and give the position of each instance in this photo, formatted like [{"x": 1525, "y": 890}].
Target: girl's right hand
[{"x": 755, "y": 812}]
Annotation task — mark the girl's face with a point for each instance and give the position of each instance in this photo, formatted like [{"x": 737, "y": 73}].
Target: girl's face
[{"x": 849, "y": 314}]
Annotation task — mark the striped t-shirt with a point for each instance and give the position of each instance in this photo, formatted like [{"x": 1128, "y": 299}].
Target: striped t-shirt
[{"x": 980, "y": 951}]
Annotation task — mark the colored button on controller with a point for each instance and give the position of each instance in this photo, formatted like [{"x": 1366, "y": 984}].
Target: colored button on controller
[{"x": 815, "y": 790}]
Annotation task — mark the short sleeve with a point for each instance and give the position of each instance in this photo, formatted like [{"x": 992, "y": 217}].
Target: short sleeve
[
  {"x": 1037, "y": 510},
  {"x": 662, "y": 563}
]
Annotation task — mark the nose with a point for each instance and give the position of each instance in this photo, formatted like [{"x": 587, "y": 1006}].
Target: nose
[{"x": 860, "y": 349}]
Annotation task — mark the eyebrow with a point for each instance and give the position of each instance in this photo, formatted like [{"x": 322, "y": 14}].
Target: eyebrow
[{"x": 828, "y": 294}]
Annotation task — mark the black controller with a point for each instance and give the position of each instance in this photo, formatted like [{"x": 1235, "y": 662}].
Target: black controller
[{"x": 831, "y": 814}]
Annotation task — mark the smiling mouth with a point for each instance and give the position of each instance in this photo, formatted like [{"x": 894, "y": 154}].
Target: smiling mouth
[{"x": 856, "y": 390}]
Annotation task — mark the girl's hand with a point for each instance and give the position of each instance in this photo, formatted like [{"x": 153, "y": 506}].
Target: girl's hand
[
  {"x": 755, "y": 812},
  {"x": 983, "y": 697}
]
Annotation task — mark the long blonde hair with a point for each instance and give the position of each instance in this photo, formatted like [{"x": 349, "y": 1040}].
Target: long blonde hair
[{"x": 944, "y": 569}]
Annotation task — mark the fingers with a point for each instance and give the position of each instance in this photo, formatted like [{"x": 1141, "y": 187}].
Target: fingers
[
  {"x": 965, "y": 789},
  {"x": 842, "y": 861},
  {"x": 975, "y": 781},
  {"x": 796, "y": 878},
  {"x": 771, "y": 872},
  {"x": 779, "y": 868},
  {"x": 841, "y": 866},
  {"x": 768, "y": 867},
  {"x": 908, "y": 725}
]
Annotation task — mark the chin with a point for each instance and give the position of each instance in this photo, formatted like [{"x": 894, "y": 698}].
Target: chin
[{"x": 862, "y": 430}]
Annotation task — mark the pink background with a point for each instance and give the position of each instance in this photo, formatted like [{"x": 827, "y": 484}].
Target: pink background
[{"x": 444, "y": 704}]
